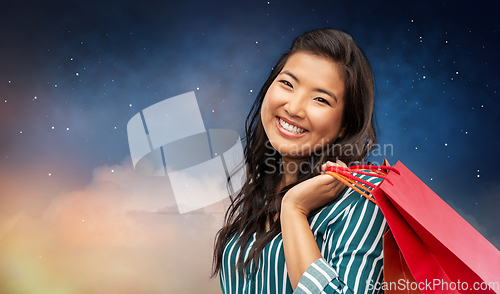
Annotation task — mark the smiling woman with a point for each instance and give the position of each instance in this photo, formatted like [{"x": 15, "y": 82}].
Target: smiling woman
[{"x": 292, "y": 228}]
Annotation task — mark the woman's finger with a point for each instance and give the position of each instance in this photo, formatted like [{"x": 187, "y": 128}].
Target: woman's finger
[
  {"x": 327, "y": 164},
  {"x": 341, "y": 163}
]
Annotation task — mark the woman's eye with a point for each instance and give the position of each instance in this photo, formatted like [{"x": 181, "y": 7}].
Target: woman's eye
[
  {"x": 286, "y": 83},
  {"x": 322, "y": 100}
]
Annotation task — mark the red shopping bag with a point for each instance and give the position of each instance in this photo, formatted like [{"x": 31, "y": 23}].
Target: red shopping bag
[
  {"x": 443, "y": 252},
  {"x": 397, "y": 275}
]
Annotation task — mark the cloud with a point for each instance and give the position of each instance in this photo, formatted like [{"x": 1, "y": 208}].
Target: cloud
[{"x": 120, "y": 234}]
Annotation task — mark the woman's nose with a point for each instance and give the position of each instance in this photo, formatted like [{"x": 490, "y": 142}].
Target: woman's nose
[{"x": 295, "y": 106}]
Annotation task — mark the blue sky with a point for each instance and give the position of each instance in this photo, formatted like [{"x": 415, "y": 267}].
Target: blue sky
[{"x": 92, "y": 65}]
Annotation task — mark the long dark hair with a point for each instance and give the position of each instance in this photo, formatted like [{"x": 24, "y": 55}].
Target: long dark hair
[{"x": 258, "y": 201}]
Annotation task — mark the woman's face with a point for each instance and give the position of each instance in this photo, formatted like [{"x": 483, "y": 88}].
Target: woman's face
[{"x": 302, "y": 109}]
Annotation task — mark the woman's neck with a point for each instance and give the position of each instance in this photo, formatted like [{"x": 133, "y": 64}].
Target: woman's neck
[{"x": 291, "y": 168}]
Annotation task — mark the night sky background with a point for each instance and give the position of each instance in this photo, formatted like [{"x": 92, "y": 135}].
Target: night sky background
[{"x": 76, "y": 218}]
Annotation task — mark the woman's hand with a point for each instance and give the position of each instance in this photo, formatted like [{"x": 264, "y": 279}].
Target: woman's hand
[{"x": 314, "y": 192}]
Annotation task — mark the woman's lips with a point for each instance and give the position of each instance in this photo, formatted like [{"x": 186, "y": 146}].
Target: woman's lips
[{"x": 286, "y": 132}]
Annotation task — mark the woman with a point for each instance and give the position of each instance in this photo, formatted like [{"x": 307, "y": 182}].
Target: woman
[{"x": 293, "y": 228}]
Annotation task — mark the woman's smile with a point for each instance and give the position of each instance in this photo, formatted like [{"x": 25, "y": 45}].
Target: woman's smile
[{"x": 289, "y": 129}]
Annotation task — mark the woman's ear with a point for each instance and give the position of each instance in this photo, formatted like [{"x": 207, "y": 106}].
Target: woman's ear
[{"x": 342, "y": 132}]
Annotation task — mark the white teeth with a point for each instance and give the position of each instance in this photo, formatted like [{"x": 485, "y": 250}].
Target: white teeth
[{"x": 291, "y": 128}]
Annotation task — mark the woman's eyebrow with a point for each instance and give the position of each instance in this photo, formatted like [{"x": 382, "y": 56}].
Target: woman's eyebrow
[
  {"x": 317, "y": 89},
  {"x": 291, "y": 75}
]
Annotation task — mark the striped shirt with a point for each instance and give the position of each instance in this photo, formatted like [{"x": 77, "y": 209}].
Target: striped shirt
[{"x": 349, "y": 236}]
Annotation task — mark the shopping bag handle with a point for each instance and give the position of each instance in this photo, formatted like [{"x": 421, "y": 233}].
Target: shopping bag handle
[
  {"x": 376, "y": 168},
  {"x": 345, "y": 175}
]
